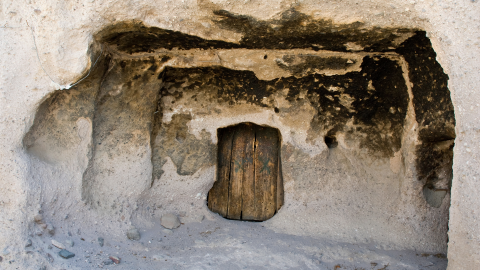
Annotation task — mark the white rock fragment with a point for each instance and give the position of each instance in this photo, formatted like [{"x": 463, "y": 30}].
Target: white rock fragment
[{"x": 58, "y": 244}]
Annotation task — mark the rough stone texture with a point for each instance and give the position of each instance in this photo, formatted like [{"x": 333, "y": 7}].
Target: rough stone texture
[
  {"x": 170, "y": 221},
  {"x": 66, "y": 254},
  {"x": 64, "y": 42},
  {"x": 133, "y": 234}
]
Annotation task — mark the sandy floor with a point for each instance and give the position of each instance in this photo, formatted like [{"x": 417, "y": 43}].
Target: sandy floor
[{"x": 220, "y": 244}]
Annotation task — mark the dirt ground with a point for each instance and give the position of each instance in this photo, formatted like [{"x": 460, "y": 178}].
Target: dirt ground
[{"x": 220, "y": 244}]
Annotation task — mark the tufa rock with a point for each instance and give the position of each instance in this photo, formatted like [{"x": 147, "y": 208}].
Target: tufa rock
[
  {"x": 170, "y": 221},
  {"x": 133, "y": 234},
  {"x": 58, "y": 244},
  {"x": 66, "y": 254}
]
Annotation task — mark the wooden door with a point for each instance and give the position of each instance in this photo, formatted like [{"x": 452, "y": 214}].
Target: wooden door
[{"x": 249, "y": 183}]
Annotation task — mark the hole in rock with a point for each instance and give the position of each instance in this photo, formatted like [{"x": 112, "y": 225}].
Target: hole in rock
[{"x": 249, "y": 181}]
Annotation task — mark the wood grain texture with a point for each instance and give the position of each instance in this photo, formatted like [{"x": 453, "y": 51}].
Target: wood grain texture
[
  {"x": 249, "y": 183},
  {"x": 248, "y": 207},
  {"x": 218, "y": 195},
  {"x": 266, "y": 170}
]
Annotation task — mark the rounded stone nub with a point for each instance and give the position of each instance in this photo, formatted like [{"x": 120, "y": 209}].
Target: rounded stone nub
[
  {"x": 170, "y": 221},
  {"x": 133, "y": 234}
]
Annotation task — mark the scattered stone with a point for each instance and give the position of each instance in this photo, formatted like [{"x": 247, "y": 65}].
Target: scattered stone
[
  {"x": 43, "y": 226},
  {"x": 101, "y": 241},
  {"x": 49, "y": 247},
  {"x": 6, "y": 251},
  {"x": 38, "y": 219},
  {"x": 116, "y": 260},
  {"x": 29, "y": 243},
  {"x": 133, "y": 234},
  {"x": 69, "y": 234},
  {"x": 170, "y": 221},
  {"x": 66, "y": 254},
  {"x": 50, "y": 229},
  {"x": 1, "y": 258},
  {"x": 43, "y": 268},
  {"x": 107, "y": 262},
  {"x": 182, "y": 214},
  {"x": 167, "y": 231},
  {"x": 70, "y": 243},
  {"x": 58, "y": 244}
]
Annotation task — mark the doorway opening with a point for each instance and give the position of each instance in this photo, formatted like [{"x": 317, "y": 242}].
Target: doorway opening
[{"x": 249, "y": 182}]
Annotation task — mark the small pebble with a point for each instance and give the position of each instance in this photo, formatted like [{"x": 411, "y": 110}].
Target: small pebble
[
  {"x": 133, "y": 234},
  {"x": 66, "y": 254},
  {"x": 116, "y": 260},
  {"x": 101, "y": 241},
  {"x": 29, "y": 243},
  {"x": 58, "y": 244},
  {"x": 38, "y": 219},
  {"x": 1, "y": 258},
  {"x": 170, "y": 221},
  {"x": 107, "y": 262}
]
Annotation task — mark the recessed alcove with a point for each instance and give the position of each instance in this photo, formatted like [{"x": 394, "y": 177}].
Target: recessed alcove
[{"x": 364, "y": 115}]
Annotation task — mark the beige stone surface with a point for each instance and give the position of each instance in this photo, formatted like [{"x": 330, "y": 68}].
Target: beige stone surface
[{"x": 64, "y": 30}]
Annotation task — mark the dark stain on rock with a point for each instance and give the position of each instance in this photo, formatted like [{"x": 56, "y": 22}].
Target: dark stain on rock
[
  {"x": 187, "y": 152},
  {"x": 431, "y": 96},
  {"x": 135, "y": 37},
  {"x": 433, "y": 110},
  {"x": 375, "y": 98},
  {"x": 309, "y": 64},
  {"x": 295, "y": 30},
  {"x": 222, "y": 84}
]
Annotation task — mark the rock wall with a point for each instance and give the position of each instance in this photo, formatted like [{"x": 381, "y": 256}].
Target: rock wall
[{"x": 137, "y": 137}]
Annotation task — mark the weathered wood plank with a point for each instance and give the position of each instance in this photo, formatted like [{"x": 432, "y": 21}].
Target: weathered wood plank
[
  {"x": 280, "y": 192},
  {"x": 237, "y": 173},
  {"x": 266, "y": 170},
  {"x": 218, "y": 194},
  {"x": 248, "y": 206}
]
